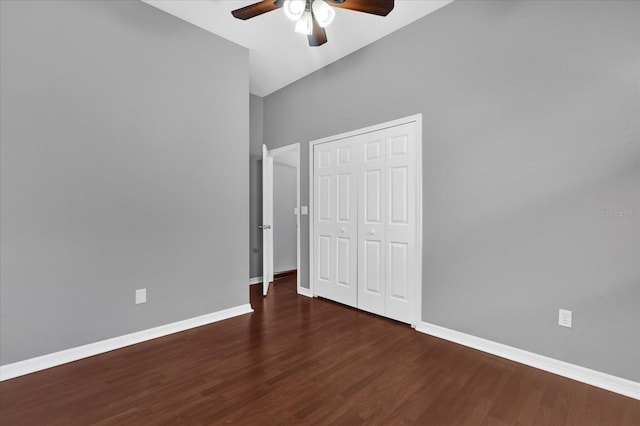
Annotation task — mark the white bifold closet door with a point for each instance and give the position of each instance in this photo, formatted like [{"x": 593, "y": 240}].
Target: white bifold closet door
[
  {"x": 365, "y": 221},
  {"x": 336, "y": 221}
]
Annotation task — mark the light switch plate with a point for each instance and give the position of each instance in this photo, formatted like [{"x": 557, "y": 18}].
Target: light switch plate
[
  {"x": 141, "y": 296},
  {"x": 304, "y": 210}
]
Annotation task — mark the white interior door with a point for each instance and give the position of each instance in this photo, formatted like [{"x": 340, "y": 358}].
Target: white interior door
[
  {"x": 372, "y": 215},
  {"x": 267, "y": 219},
  {"x": 335, "y": 222}
]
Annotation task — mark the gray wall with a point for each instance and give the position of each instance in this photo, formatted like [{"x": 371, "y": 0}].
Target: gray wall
[
  {"x": 284, "y": 219},
  {"x": 121, "y": 129},
  {"x": 255, "y": 177},
  {"x": 530, "y": 165}
]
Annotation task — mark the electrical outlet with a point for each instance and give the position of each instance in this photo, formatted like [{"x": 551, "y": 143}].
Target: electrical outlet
[
  {"x": 141, "y": 296},
  {"x": 564, "y": 318}
]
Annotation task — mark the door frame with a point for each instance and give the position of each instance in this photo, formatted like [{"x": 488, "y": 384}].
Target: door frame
[
  {"x": 267, "y": 219},
  {"x": 274, "y": 153},
  {"x": 417, "y": 118}
]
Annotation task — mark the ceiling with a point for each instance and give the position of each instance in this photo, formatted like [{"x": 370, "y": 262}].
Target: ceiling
[{"x": 278, "y": 56}]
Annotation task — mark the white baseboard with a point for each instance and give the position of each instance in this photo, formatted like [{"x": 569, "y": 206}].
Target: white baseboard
[
  {"x": 304, "y": 292},
  {"x": 32, "y": 365},
  {"x": 585, "y": 375},
  {"x": 258, "y": 280},
  {"x": 301, "y": 290}
]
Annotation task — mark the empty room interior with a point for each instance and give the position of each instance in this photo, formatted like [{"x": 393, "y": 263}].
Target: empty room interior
[{"x": 320, "y": 212}]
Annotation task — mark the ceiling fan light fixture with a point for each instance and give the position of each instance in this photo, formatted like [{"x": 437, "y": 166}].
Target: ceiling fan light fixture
[
  {"x": 304, "y": 25},
  {"x": 294, "y": 8},
  {"x": 323, "y": 13},
  {"x": 312, "y": 16}
]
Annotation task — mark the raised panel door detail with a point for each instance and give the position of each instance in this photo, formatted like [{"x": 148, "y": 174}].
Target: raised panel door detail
[
  {"x": 344, "y": 261},
  {"x": 324, "y": 198},
  {"x": 398, "y": 255},
  {"x": 344, "y": 156},
  {"x": 373, "y": 262},
  {"x": 372, "y": 207},
  {"x": 372, "y": 151},
  {"x": 398, "y": 197},
  {"x": 324, "y": 257},
  {"x": 344, "y": 197},
  {"x": 398, "y": 147},
  {"x": 324, "y": 160}
]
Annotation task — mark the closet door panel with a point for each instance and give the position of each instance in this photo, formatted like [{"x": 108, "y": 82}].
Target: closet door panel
[
  {"x": 324, "y": 258},
  {"x": 398, "y": 194},
  {"x": 398, "y": 270},
  {"x": 401, "y": 223},
  {"x": 335, "y": 224},
  {"x": 372, "y": 274},
  {"x": 324, "y": 268},
  {"x": 371, "y": 223},
  {"x": 373, "y": 180},
  {"x": 324, "y": 198},
  {"x": 344, "y": 264}
]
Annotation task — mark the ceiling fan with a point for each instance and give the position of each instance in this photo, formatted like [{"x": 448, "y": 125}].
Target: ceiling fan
[{"x": 312, "y": 16}]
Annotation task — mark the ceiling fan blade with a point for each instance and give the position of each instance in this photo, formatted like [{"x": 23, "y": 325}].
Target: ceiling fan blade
[
  {"x": 318, "y": 37},
  {"x": 256, "y": 9},
  {"x": 375, "y": 7}
]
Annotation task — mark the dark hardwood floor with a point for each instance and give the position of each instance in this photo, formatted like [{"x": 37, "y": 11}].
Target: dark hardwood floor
[{"x": 297, "y": 360}]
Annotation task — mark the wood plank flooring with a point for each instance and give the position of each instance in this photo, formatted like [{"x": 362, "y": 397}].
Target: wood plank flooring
[{"x": 297, "y": 360}]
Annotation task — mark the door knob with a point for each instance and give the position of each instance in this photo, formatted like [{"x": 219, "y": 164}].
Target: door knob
[
  {"x": 343, "y": 230},
  {"x": 372, "y": 232}
]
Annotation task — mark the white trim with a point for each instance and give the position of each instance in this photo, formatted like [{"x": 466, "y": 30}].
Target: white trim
[
  {"x": 585, "y": 375},
  {"x": 258, "y": 280},
  {"x": 301, "y": 290},
  {"x": 16, "y": 369},
  {"x": 374, "y": 128},
  {"x": 304, "y": 292},
  {"x": 310, "y": 215},
  {"x": 417, "y": 118},
  {"x": 274, "y": 152},
  {"x": 419, "y": 216},
  {"x": 298, "y": 251}
]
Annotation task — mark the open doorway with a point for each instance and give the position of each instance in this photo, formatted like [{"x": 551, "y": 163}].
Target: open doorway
[{"x": 281, "y": 207}]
